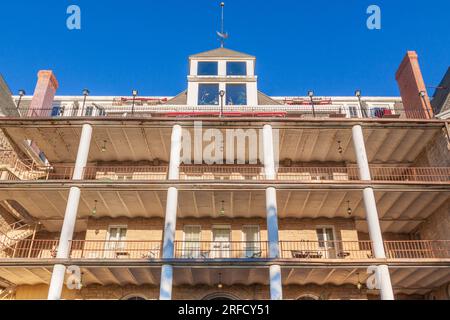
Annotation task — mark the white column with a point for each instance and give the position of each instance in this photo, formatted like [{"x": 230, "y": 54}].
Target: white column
[
  {"x": 70, "y": 216},
  {"x": 171, "y": 215},
  {"x": 373, "y": 221},
  {"x": 276, "y": 290}
]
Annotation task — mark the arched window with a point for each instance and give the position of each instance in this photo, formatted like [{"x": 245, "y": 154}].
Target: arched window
[
  {"x": 308, "y": 297},
  {"x": 134, "y": 297},
  {"x": 220, "y": 296}
]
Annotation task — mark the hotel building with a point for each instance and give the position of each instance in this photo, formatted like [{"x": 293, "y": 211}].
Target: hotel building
[{"x": 301, "y": 198}]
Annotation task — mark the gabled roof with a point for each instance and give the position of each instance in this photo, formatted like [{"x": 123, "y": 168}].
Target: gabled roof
[
  {"x": 265, "y": 100},
  {"x": 222, "y": 53},
  {"x": 179, "y": 100},
  {"x": 441, "y": 97}
]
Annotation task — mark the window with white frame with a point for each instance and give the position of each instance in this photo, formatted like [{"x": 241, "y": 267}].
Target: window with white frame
[
  {"x": 57, "y": 111},
  {"x": 208, "y": 94},
  {"x": 75, "y": 109},
  {"x": 117, "y": 235},
  {"x": 252, "y": 244},
  {"x": 236, "y": 94},
  {"x": 207, "y": 68},
  {"x": 89, "y": 111},
  {"x": 326, "y": 241},
  {"x": 191, "y": 244},
  {"x": 353, "y": 112},
  {"x": 235, "y": 68},
  {"x": 379, "y": 111}
]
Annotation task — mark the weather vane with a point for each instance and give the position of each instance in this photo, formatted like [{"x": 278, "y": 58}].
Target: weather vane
[{"x": 222, "y": 34}]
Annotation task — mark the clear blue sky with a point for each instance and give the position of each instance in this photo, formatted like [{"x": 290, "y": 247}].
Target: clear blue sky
[{"x": 144, "y": 44}]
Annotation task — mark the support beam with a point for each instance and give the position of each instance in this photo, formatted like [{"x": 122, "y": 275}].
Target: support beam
[
  {"x": 171, "y": 215},
  {"x": 70, "y": 216},
  {"x": 373, "y": 221},
  {"x": 276, "y": 290}
]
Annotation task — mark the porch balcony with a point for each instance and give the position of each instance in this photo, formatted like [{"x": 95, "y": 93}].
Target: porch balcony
[
  {"x": 323, "y": 110},
  {"x": 238, "y": 251},
  {"x": 243, "y": 173}
]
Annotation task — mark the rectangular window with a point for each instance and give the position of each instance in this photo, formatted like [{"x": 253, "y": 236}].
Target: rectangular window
[
  {"x": 378, "y": 112},
  {"x": 116, "y": 242},
  {"x": 208, "y": 69},
  {"x": 353, "y": 112},
  {"x": 236, "y": 94},
  {"x": 208, "y": 94},
  {"x": 75, "y": 111},
  {"x": 101, "y": 112},
  {"x": 221, "y": 245},
  {"x": 191, "y": 248},
  {"x": 236, "y": 68},
  {"x": 327, "y": 246},
  {"x": 57, "y": 111},
  {"x": 89, "y": 111},
  {"x": 252, "y": 245}
]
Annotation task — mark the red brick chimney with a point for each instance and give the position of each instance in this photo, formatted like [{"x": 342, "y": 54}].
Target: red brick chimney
[
  {"x": 410, "y": 82},
  {"x": 41, "y": 104}
]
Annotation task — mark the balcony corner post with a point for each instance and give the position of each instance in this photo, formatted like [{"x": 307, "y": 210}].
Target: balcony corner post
[
  {"x": 276, "y": 289},
  {"x": 171, "y": 215},
  {"x": 70, "y": 216},
  {"x": 372, "y": 218}
]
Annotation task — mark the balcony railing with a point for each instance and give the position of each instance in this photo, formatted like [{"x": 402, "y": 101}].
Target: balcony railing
[
  {"x": 412, "y": 174},
  {"x": 246, "y": 173},
  {"x": 133, "y": 250},
  {"x": 30, "y": 249},
  {"x": 223, "y": 250},
  {"x": 326, "y": 249},
  {"x": 172, "y": 111}
]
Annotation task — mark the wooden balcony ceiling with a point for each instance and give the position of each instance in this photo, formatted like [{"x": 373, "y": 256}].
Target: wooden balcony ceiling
[
  {"x": 399, "y": 211},
  {"x": 408, "y": 280},
  {"x": 383, "y": 144}
]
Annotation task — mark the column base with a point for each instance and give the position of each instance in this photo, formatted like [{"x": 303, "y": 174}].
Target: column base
[
  {"x": 384, "y": 278},
  {"x": 276, "y": 289},
  {"x": 165, "y": 291},
  {"x": 57, "y": 282}
]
